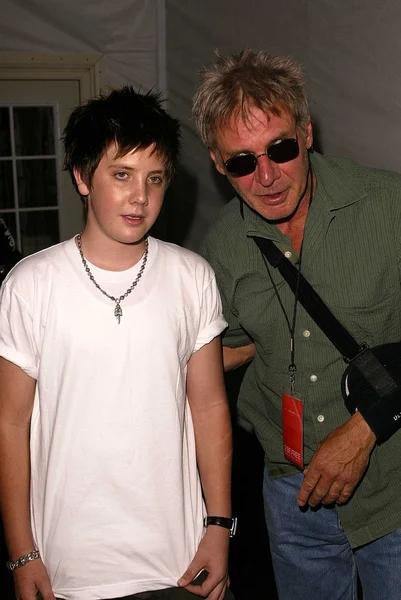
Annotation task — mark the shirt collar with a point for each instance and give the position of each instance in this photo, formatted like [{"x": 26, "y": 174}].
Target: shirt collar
[{"x": 335, "y": 189}]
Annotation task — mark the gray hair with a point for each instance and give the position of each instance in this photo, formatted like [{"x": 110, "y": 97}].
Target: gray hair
[{"x": 234, "y": 85}]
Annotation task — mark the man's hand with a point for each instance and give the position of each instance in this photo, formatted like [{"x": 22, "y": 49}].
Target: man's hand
[
  {"x": 31, "y": 579},
  {"x": 212, "y": 555},
  {"x": 338, "y": 464}
]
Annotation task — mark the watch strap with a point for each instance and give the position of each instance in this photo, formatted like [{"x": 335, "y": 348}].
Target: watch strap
[{"x": 226, "y": 522}]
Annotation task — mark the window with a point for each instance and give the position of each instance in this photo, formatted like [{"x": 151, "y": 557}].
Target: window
[{"x": 29, "y": 166}]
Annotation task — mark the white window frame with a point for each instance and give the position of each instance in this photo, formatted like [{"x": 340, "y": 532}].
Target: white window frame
[{"x": 13, "y": 159}]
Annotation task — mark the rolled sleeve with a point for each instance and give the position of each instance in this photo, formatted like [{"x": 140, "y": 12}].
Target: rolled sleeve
[
  {"x": 17, "y": 343},
  {"x": 212, "y": 322}
]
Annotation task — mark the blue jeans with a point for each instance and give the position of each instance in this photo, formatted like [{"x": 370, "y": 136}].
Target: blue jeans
[{"x": 312, "y": 558}]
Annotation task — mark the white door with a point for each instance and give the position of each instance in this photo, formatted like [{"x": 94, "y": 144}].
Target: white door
[{"x": 37, "y": 199}]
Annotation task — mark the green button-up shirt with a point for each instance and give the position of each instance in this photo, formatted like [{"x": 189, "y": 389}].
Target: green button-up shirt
[{"x": 351, "y": 256}]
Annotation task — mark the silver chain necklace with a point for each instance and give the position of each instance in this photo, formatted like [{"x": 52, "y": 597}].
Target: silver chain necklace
[{"x": 118, "y": 312}]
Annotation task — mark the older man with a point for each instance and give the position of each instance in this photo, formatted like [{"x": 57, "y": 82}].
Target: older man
[{"x": 332, "y": 493}]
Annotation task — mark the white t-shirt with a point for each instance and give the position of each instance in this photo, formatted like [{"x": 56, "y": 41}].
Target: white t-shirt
[{"x": 115, "y": 497}]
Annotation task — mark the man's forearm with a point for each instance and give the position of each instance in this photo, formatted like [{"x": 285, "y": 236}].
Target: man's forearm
[
  {"x": 237, "y": 357},
  {"x": 14, "y": 488}
]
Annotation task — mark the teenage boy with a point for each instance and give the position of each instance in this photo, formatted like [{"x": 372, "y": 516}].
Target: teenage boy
[{"x": 113, "y": 418}]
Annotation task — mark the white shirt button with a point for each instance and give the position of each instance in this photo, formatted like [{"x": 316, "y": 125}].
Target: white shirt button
[
  {"x": 306, "y": 333},
  {"x": 320, "y": 418},
  {"x": 313, "y": 378},
  {"x": 288, "y": 254}
]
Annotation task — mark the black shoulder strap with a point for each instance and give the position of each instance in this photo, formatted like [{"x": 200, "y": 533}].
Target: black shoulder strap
[{"x": 310, "y": 300}]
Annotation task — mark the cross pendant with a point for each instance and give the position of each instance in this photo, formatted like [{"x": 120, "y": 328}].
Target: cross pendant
[{"x": 118, "y": 312}]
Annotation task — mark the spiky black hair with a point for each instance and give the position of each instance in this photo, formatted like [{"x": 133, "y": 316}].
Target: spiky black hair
[{"x": 129, "y": 119}]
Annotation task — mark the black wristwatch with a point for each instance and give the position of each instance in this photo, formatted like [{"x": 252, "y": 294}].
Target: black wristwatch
[{"x": 226, "y": 522}]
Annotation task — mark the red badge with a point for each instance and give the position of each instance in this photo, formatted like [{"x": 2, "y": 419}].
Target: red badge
[{"x": 293, "y": 430}]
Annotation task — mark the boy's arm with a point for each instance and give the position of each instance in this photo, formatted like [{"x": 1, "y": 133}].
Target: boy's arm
[
  {"x": 212, "y": 426},
  {"x": 17, "y": 391}
]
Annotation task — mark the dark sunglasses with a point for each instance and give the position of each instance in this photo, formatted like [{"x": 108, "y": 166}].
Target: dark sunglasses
[{"x": 245, "y": 163}]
